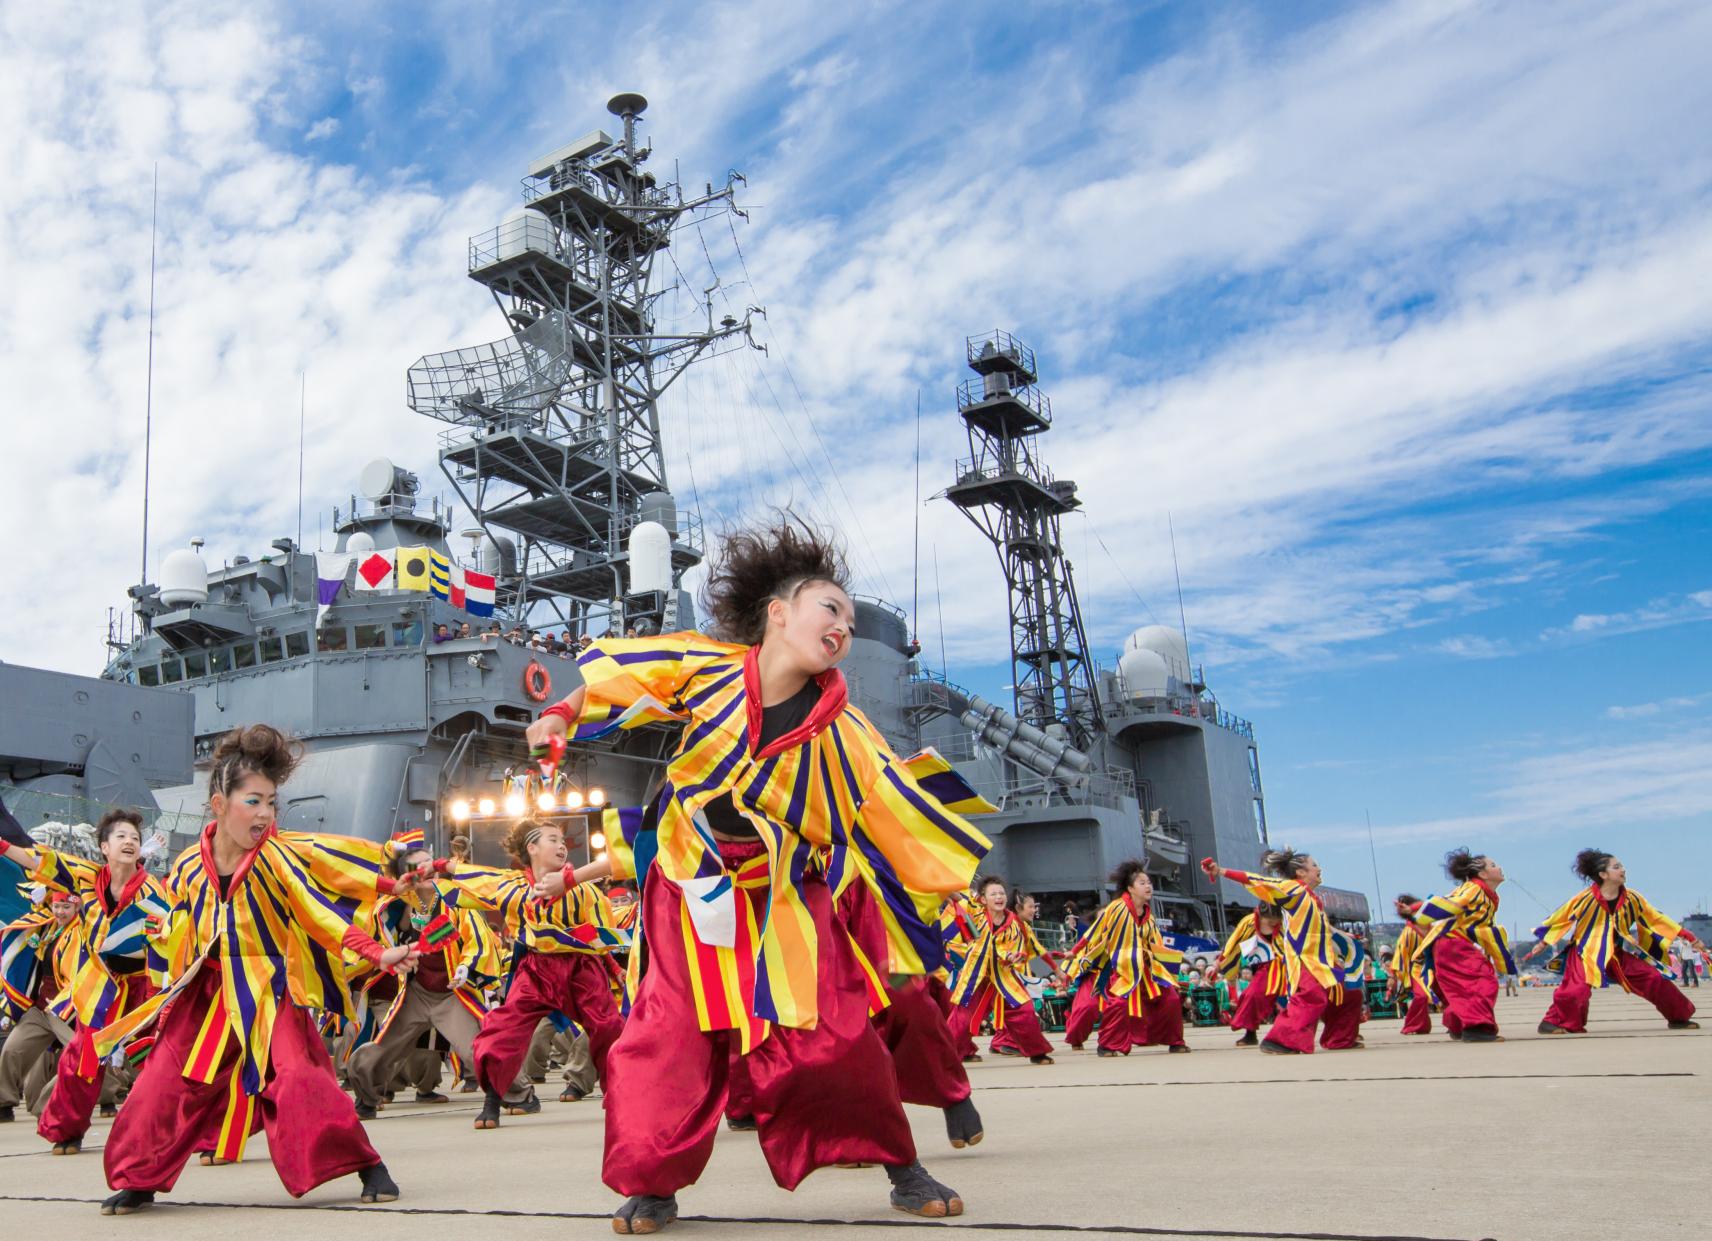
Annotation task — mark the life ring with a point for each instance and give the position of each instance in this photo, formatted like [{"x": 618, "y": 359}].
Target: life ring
[{"x": 536, "y": 683}]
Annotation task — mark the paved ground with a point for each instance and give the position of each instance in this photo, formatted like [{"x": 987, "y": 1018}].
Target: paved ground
[{"x": 1409, "y": 1140}]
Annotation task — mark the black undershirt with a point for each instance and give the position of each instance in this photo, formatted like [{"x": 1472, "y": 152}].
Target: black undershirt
[{"x": 721, "y": 813}]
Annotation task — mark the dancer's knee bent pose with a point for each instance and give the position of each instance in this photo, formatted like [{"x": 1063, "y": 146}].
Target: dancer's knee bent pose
[{"x": 1464, "y": 947}]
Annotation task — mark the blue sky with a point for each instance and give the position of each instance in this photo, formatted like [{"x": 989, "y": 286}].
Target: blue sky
[{"x": 1399, "y": 312}]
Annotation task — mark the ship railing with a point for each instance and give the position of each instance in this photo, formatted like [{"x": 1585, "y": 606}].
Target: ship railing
[
  {"x": 566, "y": 175},
  {"x": 1002, "y": 344},
  {"x": 1185, "y": 705},
  {"x": 988, "y": 465},
  {"x": 690, "y": 533},
  {"x": 985, "y": 388}
]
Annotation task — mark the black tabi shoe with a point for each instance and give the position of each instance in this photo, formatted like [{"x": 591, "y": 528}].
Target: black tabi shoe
[
  {"x": 1106, "y": 1052},
  {"x": 1482, "y": 1036},
  {"x": 488, "y": 1117},
  {"x": 1041, "y": 1059},
  {"x": 365, "y": 1111},
  {"x": 1005, "y": 1051},
  {"x": 1177, "y": 1047},
  {"x": 741, "y": 1124},
  {"x": 386, "y": 1096},
  {"x": 378, "y": 1185},
  {"x": 1547, "y": 1027},
  {"x": 128, "y": 1201},
  {"x": 6, "y": 1116},
  {"x": 431, "y": 1096},
  {"x": 468, "y": 1086},
  {"x": 963, "y": 1124},
  {"x": 572, "y": 1094},
  {"x": 539, "y": 1081},
  {"x": 72, "y": 1147},
  {"x": 1248, "y": 1039},
  {"x": 1277, "y": 1049},
  {"x": 1455, "y": 1035},
  {"x": 528, "y": 1105},
  {"x": 644, "y": 1214},
  {"x": 972, "y": 1059},
  {"x": 1075, "y": 1047},
  {"x": 1682, "y": 1025},
  {"x": 914, "y": 1192},
  {"x": 107, "y": 1111}
]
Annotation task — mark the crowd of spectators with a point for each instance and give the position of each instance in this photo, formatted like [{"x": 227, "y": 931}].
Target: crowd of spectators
[{"x": 545, "y": 641}]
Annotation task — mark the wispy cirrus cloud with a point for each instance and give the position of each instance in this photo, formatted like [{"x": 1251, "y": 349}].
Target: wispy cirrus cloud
[{"x": 1658, "y": 613}]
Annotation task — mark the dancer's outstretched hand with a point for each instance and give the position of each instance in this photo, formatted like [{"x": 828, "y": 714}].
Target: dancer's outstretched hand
[
  {"x": 1210, "y": 867},
  {"x": 550, "y": 886},
  {"x": 545, "y": 729},
  {"x": 400, "y": 960}
]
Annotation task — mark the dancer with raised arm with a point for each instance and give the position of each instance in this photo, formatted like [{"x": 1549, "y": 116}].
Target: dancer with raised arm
[
  {"x": 120, "y": 907},
  {"x": 1254, "y": 945},
  {"x": 990, "y": 982},
  {"x": 1464, "y": 948},
  {"x": 235, "y": 1036},
  {"x": 779, "y": 796},
  {"x": 1310, "y": 955},
  {"x": 1136, "y": 970},
  {"x": 1407, "y": 983},
  {"x": 1601, "y": 924}
]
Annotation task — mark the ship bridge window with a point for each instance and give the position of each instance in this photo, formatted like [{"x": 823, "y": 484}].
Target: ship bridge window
[
  {"x": 170, "y": 672},
  {"x": 243, "y": 655},
  {"x": 407, "y": 633},
  {"x": 148, "y": 674},
  {"x": 194, "y": 665},
  {"x": 219, "y": 660},
  {"x": 332, "y": 638},
  {"x": 370, "y": 637},
  {"x": 296, "y": 644},
  {"x": 273, "y": 650}
]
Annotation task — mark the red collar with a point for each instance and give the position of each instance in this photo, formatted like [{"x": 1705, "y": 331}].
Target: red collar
[
  {"x": 1142, "y": 916},
  {"x": 834, "y": 695},
  {"x": 104, "y": 886},
  {"x": 205, "y": 847},
  {"x": 1491, "y": 892},
  {"x": 1610, "y": 905}
]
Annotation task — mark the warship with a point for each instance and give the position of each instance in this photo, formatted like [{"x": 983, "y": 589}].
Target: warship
[{"x": 550, "y": 437}]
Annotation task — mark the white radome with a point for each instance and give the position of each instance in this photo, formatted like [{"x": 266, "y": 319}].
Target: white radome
[{"x": 183, "y": 579}]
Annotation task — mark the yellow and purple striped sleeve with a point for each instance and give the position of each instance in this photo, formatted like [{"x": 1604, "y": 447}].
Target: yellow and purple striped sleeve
[
  {"x": 629, "y": 682},
  {"x": 63, "y": 872}
]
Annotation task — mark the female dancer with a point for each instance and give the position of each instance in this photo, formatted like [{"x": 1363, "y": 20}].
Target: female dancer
[
  {"x": 561, "y": 940},
  {"x": 779, "y": 796},
  {"x": 991, "y": 980},
  {"x": 1464, "y": 947},
  {"x": 460, "y": 959},
  {"x": 1315, "y": 984},
  {"x": 1004, "y": 1041},
  {"x": 1406, "y": 976},
  {"x": 38, "y": 961},
  {"x": 1254, "y": 946},
  {"x": 1141, "y": 1005},
  {"x": 120, "y": 906},
  {"x": 259, "y": 923},
  {"x": 1596, "y": 922}
]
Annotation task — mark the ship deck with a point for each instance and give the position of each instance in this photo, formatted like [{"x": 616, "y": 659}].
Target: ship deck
[{"x": 1408, "y": 1140}]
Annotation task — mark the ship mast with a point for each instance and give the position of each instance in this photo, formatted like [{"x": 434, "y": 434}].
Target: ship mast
[{"x": 555, "y": 445}]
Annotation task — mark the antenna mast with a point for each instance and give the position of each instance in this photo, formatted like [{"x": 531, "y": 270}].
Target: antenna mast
[{"x": 149, "y": 382}]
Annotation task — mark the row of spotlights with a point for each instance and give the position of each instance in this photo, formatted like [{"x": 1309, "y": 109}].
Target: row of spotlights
[{"x": 516, "y": 804}]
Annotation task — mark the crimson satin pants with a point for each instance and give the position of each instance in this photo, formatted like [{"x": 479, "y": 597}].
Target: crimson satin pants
[
  {"x": 1467, "y": 983},
  {"x": 572, "y": 983},
  {"x": 1343, "y": 1020},
  {"x": 1570, "y": 1000},
  {"x": 1419, "y": 1018},
  {"x": 1160, "y": 1023},
  {"x": 819, "y": 1097},
  {"x": 1084, "y": 1012},
  {"x": 1020, "y": 1019},
  {"x": 71, "y": 1104},
  {"x": 930, "y": 1072},
  {"x": 1254, "y": 1008},
  {"x": 1301, "y": 1018},
  {"x": 313, "y": 1133}
]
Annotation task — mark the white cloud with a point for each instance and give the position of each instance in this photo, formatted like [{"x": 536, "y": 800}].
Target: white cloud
[
  {"x": 1473, "y": 646},
  {"x": 326, "y": 127},
  {"x": 1645, "y": 710},
  {"x": 1656, "y": 614}
]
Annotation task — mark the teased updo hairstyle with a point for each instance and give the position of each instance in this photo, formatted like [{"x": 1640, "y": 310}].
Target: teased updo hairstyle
[
  {"x": 254, "y": 750},
  {"x": 114, "y": 817},
  {"x": 1462, "y": 864},
  {"x": 1125, "y": 872},
  {"x": 460, "y": 848},
  {"x": 755, "y": 566},
  {"x": 1590, "y": 864},
  {"x": 523, "y": 833},
  {"x": 1286, "y": 863},
  {"x": 1407, "y": 898}
]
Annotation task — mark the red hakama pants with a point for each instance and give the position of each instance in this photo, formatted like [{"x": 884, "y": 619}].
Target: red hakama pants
[
  {"x": 71, "y": 1104},
  {"x": 930, "y": 1072},
  {"x": 1419, "y": 1017},
  {"x": 1467, "y": 983},
  {"x": 572, "y": 983},
  {"x": 1301, "y": 1018},
  {"x": 1020, "y": 1019},
  {"x": 1160, "y": 1023},
  {"x": 313, "y": 1133},
  {"x": 1569, "y": 1001},
  {"x": 1254, "y": 1008},
  {"x": 1343, "y": 1021},
  {"x": 820, "y": 1097},
  {"x": 1084, "y": 1012}
]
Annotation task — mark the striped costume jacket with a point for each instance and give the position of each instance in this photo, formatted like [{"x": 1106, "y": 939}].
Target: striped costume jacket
[
  {"x": 33, "y": 944},
  {"x": 461, "y": 936},
  {"x": 1404, "y": 967},
  {"x": 839, "y": 805},
  {"x": 1132, "y": 957},
  {"x": 999, "y": 958},
  {"x": 1306, "y": 934},
  {"x": 1264, "y": 954},
  {"x": 1595, "y": 928},
  {"x": 1471, "y": 913}
]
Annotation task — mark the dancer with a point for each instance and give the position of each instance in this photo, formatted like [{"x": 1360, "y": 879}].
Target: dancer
[
  {"x": 120, "y": 906},
  {"x": 1003, "y": 1042},
  {"x": 1140, "y": 1003},
  {"x": 459, "y": 960},
  {"x": 38, "y": 961},
  {"x": 562, "y": 929},
  {"x": 236, "y": 1037},
  {"x": 1596, "y": 922},
  {"x": 1254, "y": 946},
  {"x": 1464, "y": 947},
  {"x": 780, "y": 795},
  {"x": 1311, "y": 971},
  {"x": 991, "y": 980},
  {"x": 1406, "y": 975}
]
